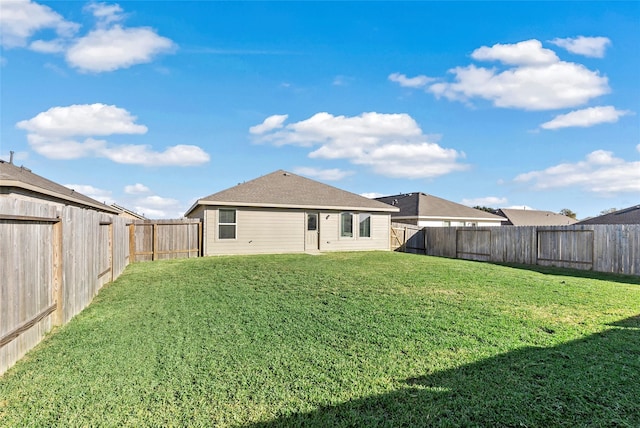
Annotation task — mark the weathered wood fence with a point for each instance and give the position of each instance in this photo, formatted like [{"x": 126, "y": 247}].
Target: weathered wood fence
[
  {"x": 407, "y": 238},
  {"x": 601, "y": 248},
  {"x": 53, "y": 260},
  {"x": 165, "y": 239}
]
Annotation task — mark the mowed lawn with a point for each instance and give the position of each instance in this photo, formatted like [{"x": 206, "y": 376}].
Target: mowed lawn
[{"x": 347, "y": 339}]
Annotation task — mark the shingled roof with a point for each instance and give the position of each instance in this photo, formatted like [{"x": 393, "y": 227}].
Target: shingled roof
[
  {"x": 629, "y": 215},
  {"x": 420, "y": 204},
  {"x": 282, "y": 189},
  {"x": 12, "y": 176},
  {"x": 518, "y": 217}
]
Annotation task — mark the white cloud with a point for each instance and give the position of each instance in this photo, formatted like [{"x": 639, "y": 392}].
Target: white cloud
[
  {"x": 372, "y": 195},
  {"x": 136, "y": 189},
  {"x": 269, "y": 124},
  {"x": 342, "y": 80},
  {"x": 333, "y": 174},
  {"x": 116, "y": 47},
  {"x": 47, "y": 46},
  {"x": 593, "y": 47},
  {"x": 600, "y": 172},
  {"x": 391, "y": 144},
  {"x": 529, "y": 52},
  {"x": 410, "y": 82},
  {"x": 54, "y": 133},
  {"x": 586, "y": 117},
  {"x": 83, "y": 119},
  {"x": 105, "y": 13},
  {"x": 100, "y": 195},
  {"x": 488, "y": 201},
  {"x": 21, "y": 19},
  {"x": 638, "y": 147},
  {"x": 530, "y": 78},
  {"x": 159, "y": 207}
]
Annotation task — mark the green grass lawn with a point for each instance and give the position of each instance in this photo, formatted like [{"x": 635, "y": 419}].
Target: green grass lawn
[{"x": 358, "y": 339}]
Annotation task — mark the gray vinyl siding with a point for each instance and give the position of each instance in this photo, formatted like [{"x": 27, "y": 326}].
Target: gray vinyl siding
[
  {"x": 330, "y": 239},
  {"x": 272, "y": 230},
  {"x": 258, "y": 231}
]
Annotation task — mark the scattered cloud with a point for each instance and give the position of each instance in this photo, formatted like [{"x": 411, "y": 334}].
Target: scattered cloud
[
  {"x": 333, "y": 174},
  {"x": 159, "y": 207},
  {"x": 529, "y": 52},
  {"x": 100, "y": 195},
  {"x": 392, "y": 145},
  {"x": 54, "y": 134},
  {"x": 586, "y": 117},
  {"x": 593, "y": 47},
  {"x": 109, "y": 46},
  {"x": 3, "y": 61},
  {"x": 114, "y": 48},
  {"x": 269, "y": 124},
  {"x": 21, "y": 19},
  {"x": 136, "y": 189},
  {"x": 372, "y": 195},
  {"x": 410, "y": 82},
  {"x": 342, "y": 80},
  {"x": 488, "y": 201},
  {"x": 600, "y": 173},
  {"x": 638, "y": 147},
  {"x": 531, "y": 78}
]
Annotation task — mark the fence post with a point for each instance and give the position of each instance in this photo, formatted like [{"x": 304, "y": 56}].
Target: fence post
[
  {"x": 57, "y": 272},
  {"x": 132, "y": 242},
  {"x": 154, "y": 249}
]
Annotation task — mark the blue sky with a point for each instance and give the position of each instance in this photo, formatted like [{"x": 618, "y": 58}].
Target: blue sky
[{"x": 153, "y": 104}]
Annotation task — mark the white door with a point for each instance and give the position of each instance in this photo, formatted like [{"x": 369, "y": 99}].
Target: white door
[{"x": 312, "y": 239}]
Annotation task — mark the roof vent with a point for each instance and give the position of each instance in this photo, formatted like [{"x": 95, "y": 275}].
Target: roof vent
[{"x": 286, "y": 174}]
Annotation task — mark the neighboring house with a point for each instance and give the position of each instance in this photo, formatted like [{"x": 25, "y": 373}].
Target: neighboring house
[
  {"x": 128, "y": 213},
  {"x": 430, "y": 211},
  {"x": 20, "y": 183},
  {"x": 517, "y": 217},
  {"x": 629, "y": 215},
  {"x": 284, "y": 213}
]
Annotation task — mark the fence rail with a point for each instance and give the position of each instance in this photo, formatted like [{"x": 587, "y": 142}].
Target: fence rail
[
  {"x": 601, "y": 248},
  {"x": 165, "y": 239},
  {"x": 54, "y": 261}
]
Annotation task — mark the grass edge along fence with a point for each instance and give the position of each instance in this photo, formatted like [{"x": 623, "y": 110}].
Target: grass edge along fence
[
  {"x": 54, "y": 259},
  {"x": 601, "y": 248}
]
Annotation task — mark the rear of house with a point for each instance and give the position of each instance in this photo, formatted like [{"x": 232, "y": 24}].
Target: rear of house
[{"x": 285, "y": 213}]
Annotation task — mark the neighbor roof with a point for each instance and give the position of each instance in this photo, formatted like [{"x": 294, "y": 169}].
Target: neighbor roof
[
  {"x": 629, "y": 215},
  {"x": 518, "y": 217},
  {"x": 282, "y": 189},
  {"x": 21, "y": 177},
  {"x": 420, "y": 204}
]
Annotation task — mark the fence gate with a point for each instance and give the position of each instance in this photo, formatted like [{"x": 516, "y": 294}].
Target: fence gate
[
  {"x": 165, "y": 239},
  {"x": 397, "y": 237}
]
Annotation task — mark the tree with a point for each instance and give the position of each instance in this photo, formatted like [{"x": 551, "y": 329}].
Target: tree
[
  {"x": 487, "y": 209},
  {"x": 608, "y": 211},
  {"x": 568, "y": 213}
]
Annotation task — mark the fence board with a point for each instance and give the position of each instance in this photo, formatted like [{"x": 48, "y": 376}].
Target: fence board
[
  {"x": 166, "y": 239},
  {"x": 602, "y": 248},
  {"x": 48, "y": 263}
]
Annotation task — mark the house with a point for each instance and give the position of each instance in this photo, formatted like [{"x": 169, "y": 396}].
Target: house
[
  {"x": 629, "y": 215},
  {"x": 284, "y": 213},
  {"x": 124, "y": 212},
  {"x": 518, "y": 217},
  {"x": 21, "y": 183},
  {"x": 430, "y": 211}
]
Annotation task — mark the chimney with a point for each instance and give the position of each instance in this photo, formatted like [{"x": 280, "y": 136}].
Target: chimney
[{"x": 11, "y": 157}]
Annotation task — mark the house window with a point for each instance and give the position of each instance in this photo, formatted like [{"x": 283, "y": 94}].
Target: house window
[
  {"x": 227, "y": 224},
  {"x": 346, "y": 225},
  {"x": 365, "y": 225}
]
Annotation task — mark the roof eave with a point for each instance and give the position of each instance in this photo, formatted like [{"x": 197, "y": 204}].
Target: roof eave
[
  {"x": 390, "y": 209},
  {"x": 21, "y": 185}
]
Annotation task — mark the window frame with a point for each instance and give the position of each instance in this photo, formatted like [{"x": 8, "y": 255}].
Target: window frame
[
  {"x": 360, "y": 221},
  {"x": 234, "y": 224},
  {"x": 341, "y": 224}
]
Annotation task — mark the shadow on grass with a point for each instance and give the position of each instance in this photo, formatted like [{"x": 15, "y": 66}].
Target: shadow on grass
[
  {"x": 576, "y": 273},
  {"x": 593, "y": 381}
]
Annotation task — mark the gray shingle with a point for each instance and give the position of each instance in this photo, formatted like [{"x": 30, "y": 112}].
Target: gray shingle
[
  {"x": 518, "y": 217},
  {"x": 629, "y": 215},
  {"x": 284, "y": 189},
  {"x": 419, "y": 204}
]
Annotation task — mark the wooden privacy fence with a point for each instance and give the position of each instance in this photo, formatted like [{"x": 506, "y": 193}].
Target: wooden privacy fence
[
  {"x": 601, "y": 248},
  {"x": 165, "y": 239},
  {"x": 407, "y": 238},
  {"x": 54, "y": 260}
]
